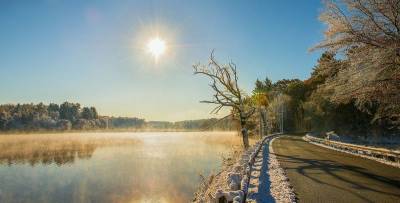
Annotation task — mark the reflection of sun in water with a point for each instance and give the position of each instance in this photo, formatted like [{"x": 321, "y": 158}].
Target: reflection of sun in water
[{"x": 156, "y": 47}]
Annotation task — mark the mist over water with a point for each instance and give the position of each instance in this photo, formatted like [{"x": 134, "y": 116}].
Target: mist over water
[{"x": 109, "y": 167}]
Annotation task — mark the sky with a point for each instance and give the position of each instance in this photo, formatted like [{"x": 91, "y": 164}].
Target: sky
[{"x": 93, "y": 52}]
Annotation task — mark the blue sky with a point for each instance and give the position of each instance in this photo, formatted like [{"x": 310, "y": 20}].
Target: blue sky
[{"x": 91, "y": 52}]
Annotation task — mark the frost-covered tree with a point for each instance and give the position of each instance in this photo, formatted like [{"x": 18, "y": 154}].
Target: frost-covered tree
[{"x": 367, "y": 34}]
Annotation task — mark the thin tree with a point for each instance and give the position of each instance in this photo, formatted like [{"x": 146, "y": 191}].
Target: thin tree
[
  {"x": 224, "y": 83},
  {"x": 260, "y": 100}
]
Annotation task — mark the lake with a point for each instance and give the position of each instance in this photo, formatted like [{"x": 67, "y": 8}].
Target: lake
[{"x": 109, "y": 167}]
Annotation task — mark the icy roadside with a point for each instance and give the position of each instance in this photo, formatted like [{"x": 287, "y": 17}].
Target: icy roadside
[
  {"x": 255, "y": 174},
  {"x": 281, "y": 189},
  {"x": 361, "y": 153},
  {"x": 259, "y": 183}
]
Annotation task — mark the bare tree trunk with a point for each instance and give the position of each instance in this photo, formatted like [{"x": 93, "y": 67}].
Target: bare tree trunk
[{"x": 245, "y": 136}]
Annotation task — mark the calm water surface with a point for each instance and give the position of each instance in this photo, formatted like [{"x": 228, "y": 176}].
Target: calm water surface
[{"x": 108, "y": 167}]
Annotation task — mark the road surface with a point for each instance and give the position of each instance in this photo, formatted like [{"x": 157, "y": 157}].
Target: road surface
[{"x": 323, "y": 175}]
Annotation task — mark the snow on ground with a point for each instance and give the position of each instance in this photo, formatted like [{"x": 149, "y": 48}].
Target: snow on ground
[
  {"x": 391, "y": 142},
  {"x": 255, "y": 174},
  {"x": 281, "y": 189},
  {"x": 259, "y": 184},
  {"x": 359, "y": 153}
]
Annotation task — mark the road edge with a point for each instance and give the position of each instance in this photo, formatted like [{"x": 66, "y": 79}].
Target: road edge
[
  {"x": 280, "y": 188},
  {"x": 353, "y": 153}
]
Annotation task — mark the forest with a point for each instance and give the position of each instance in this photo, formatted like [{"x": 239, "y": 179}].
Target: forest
[{"x": 354, "y": 88}]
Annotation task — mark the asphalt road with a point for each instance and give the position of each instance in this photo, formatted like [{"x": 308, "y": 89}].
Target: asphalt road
[{"x": 323, "y": 175}]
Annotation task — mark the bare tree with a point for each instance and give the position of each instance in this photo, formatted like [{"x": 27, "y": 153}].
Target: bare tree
[
  {"x": 368, "y": 33},
  {"x": 224, "y": 82}
]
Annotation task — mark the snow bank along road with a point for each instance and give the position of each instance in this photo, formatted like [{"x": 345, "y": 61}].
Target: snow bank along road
[{"x": 323, "y": 175}]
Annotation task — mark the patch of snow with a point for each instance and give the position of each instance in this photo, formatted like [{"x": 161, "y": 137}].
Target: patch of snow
[
  {"x": 281, "y": 189},
  {"x": 359, "y": 153},
  {"x": 332, "y": 136},
  {"x": 387, "y": 141},
  {"x": 231, "y": 196},
  {"x": 234, "y": 180}
]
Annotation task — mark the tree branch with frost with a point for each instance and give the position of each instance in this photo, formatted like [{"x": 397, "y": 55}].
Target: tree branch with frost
[{"x": 367, "y": 33}]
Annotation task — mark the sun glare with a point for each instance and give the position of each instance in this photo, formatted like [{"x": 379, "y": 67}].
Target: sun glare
[{"x": 156, "y": 47}]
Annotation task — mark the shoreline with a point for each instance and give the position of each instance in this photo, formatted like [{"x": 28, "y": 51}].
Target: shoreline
[{"x": 2, "y": 133}]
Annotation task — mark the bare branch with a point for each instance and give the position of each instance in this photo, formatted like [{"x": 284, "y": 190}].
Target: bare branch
[{"x": 224, "y": 83}]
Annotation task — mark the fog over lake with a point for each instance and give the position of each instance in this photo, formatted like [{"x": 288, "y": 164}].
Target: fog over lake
[{"x": 109, "y": 167}]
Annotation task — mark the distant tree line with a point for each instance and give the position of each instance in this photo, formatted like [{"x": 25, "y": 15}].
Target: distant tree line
[
  {"x": 67, "y": 116},
  {"x": 71, "y": 116},
  {"x": 226, "y": 124}
]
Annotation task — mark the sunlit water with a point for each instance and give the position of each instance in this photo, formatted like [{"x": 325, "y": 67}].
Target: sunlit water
[{"x": 108, "y": 167}]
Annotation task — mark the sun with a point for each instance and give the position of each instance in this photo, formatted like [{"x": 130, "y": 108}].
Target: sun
[{"x": 156, "y": 47}]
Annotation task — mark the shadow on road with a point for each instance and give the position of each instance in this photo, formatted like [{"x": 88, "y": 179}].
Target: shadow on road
[{"x": 346, "y": 177}]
